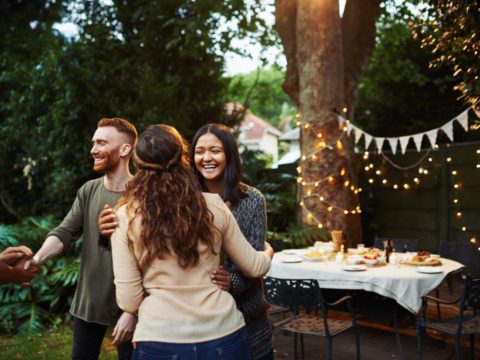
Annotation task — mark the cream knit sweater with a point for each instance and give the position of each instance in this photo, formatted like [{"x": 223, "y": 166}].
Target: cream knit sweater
[{"x": 182, "y": 305}]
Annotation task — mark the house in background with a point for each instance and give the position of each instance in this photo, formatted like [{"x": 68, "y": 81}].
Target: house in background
[
  {"x": 256, "y": 133},
  {"x": 291, "y": 137}
]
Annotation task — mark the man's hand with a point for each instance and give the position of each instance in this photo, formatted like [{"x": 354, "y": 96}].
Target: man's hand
[
  {"x": 124, "y": 329},
  {"x": 107, "y": 221},
  {"x": 221, "y": 278},
  {"x": 11, "y": 254}
]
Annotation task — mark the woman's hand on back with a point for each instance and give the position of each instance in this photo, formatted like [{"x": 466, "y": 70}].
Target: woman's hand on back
[
  {"x": 269, "y": 250},
  {"x": 221, "y": 278}
]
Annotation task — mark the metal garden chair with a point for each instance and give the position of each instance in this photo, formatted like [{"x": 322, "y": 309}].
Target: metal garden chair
[
  {"x": 310, "y": 311},
  {"x": 466, "y": 322}
]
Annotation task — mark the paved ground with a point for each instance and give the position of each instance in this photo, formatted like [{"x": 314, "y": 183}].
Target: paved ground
[
  {"x": 377, "y": 341},
  {"x": 375, "y": 344}
]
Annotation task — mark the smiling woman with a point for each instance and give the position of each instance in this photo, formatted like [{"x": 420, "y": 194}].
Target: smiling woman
[{"x": 218, "y": 169}]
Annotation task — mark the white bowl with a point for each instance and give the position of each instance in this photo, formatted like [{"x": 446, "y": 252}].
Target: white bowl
[{"x": 370, "y": 261}]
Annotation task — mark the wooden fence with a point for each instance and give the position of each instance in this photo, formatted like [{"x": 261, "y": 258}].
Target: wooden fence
[{"x": 444, "y": 205}]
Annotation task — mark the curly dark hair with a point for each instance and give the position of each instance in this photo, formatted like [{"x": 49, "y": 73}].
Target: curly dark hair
[{"x": 166, "y": 194}]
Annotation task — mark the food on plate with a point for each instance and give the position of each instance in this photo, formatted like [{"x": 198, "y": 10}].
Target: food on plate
[
  {"x": 313, "y": 254},
  {"x": 421, "y": 256}
]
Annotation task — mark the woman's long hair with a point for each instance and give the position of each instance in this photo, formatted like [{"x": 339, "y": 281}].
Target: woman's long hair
[
  {"x": 165, "y": 192},
  {"x": 233, "y": 164}
]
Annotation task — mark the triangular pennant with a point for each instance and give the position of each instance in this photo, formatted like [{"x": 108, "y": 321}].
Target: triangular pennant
[
  {"x": 349, "y": 128},
  {"x": 417, "y": 139},
  {"x": 393, "y": 144},
  {"x": 368, "y": 140},
  {"x": 358, "y": 135},
  {"x": 463, "y": 119},
  {"x": 432, "y": 136},
  {"x": 448, "y": 129},
  {"x": 379, "y": 142},
  {"x": 403, "y": 143},
  {"x": 341, "y": 121}
]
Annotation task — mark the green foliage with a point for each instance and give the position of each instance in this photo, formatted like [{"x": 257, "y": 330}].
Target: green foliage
[
  {"x": 46, "y": 301},
  {"x": 54, "y": 344},
  {"x": 278, "y": 187},
  {"x": 399, "y": 94},
  {"x": 302, "y": 235},
  {"x": 261, "y": 91},
  {"x": 449, "y": 29},
  {"x": 149, "y": 62}
]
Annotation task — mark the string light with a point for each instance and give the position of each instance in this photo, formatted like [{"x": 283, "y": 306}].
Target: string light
[{"x": 312, "y": 187}]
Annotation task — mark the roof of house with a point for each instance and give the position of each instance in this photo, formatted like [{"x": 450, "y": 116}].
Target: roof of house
[{"x": 252, "y": 127}]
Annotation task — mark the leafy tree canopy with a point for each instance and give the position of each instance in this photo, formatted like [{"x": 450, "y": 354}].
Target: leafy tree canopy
[
  {"x": 261, "y": 91},
  {"x": 450, "y": 30},
  {"x": 399, "y": 93},
  {"x": 149, "y": 62}
]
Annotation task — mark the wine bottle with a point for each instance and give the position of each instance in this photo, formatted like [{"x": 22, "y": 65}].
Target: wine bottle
[{"x": 388, "y": 250}]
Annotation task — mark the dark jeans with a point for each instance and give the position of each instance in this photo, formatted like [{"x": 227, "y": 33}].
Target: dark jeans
[
  {"x": 232, "y": 347},
  {"x": 268, "y": 356},
  {"x": 87, "y": 341}
]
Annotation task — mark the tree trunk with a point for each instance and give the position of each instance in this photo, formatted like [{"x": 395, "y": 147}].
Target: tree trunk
[{"x": 311, "y": 32}]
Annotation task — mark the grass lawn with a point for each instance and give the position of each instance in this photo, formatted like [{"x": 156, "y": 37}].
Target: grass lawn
[{"x": 52, "y": 345}]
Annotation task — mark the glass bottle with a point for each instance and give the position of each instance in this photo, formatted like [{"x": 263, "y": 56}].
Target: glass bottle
[
  {"x": 388, "y": 250},
  {"x": 339, "y": 258}
]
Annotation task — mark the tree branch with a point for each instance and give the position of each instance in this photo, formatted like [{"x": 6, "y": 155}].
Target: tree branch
[
  {"x": 9, "y": 208},
  {"x": 285, "y": 24},
  {"x": 358, "y": 38}
]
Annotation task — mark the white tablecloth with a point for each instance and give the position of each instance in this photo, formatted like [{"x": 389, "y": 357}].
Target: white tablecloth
[{"x": 400, "y": 282}]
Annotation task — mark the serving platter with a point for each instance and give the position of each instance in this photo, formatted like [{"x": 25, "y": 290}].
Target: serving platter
[{"x": 430, "y": 262}]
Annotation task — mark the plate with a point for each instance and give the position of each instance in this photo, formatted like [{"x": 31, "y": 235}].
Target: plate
[
  {"x": 355, "y": 267},
  {"x": 292, "y": 259},
  {"x": 429, "y": 269},
  {"x": 290, "y": 252}
]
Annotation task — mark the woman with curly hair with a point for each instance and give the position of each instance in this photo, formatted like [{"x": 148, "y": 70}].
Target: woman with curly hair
[
  {"x": 217, "y": 165},
  {"x": 164, "y": 249}
]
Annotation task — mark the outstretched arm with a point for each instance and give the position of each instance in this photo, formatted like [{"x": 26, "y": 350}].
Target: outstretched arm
[{"x": 52, "y": 246}]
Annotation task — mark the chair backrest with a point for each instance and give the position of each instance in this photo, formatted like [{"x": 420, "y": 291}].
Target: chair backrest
[
  {"x": 293, "y": 294},
  {"x": 471, "y": 295},
  {"x": 462, "y": 251},
  {"x": 400, "y": 245}
]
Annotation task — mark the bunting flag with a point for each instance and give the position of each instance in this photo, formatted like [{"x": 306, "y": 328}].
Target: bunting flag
[
  {"x": 393, "y": 144},
  {"x": 368, "y": 140},
  {"x": 379, "y": 143},
  {"x": 463, "y": 119},
  {"x": 432, "y": 136},
  {"x": 403, "y": 143},
  {"x": 349, "y": 128},
  {"x": 447, "y": 129},
  {"x": 358, "y": 135}
]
